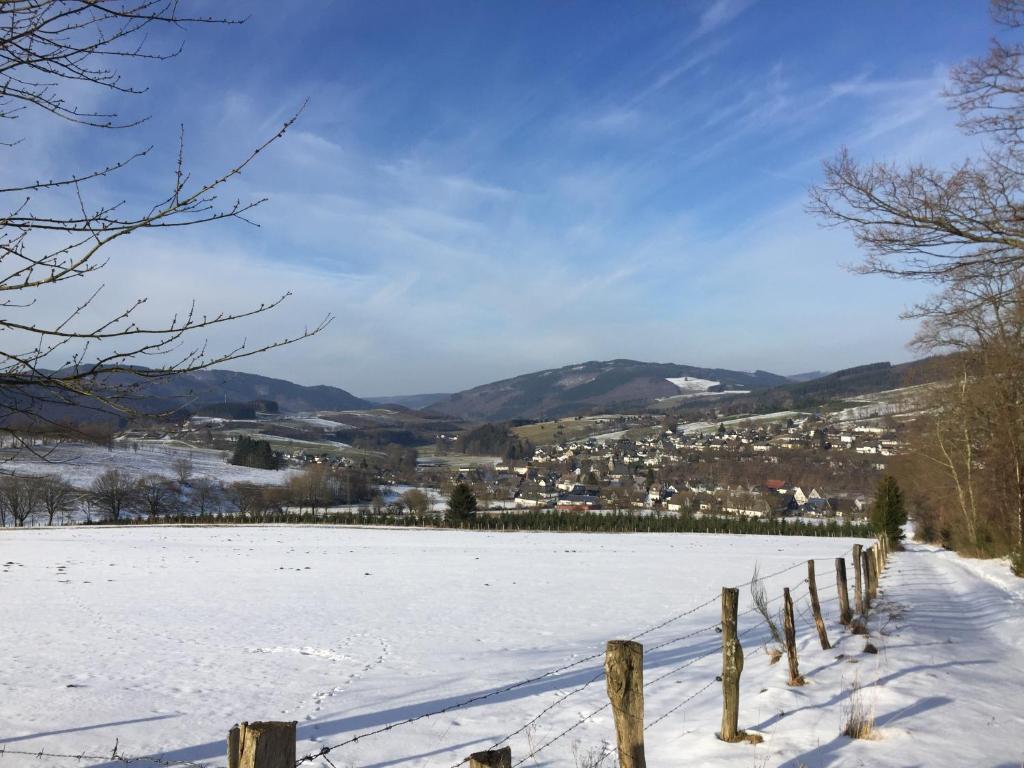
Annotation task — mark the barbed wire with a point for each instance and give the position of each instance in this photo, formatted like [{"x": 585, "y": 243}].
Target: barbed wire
[
  {"x": 681, "y": 667},
  {"x": 541, "y": 714},
  {"x": 675, "y": 670},
  {"x": 681, "y": 704},
  {"x": 327, "y": 749},
  {"x": 563, "y": 734},
  {"x": 114, "y": 756}
]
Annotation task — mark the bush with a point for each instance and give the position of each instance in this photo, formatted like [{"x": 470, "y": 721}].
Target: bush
[{"x": 1017, "y": 562}]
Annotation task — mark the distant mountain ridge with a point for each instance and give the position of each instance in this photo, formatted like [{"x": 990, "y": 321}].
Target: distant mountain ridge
[
  {"x": 186, "y": 393},
  {"x": 808, "y": 376},
  {"x": 214, "y": 385},
  {"x": 595, "y": 385},
  {"x": 415, "y": 402}
]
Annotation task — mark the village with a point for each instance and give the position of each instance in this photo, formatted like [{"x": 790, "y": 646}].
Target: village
[{"x": 800, "y": 467}]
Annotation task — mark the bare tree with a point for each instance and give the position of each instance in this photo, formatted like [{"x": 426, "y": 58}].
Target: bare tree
[
  {"x": 920, "y": 222},
  {"x": 154, "y": 495},
  {"x": 417, "y": 501},
  {"x": 206, "y": 495},
  {"x": 113, "y": 493},
  {"x": 55, "y": 230},
  {"x": 19, "y": 499},
  {"x": 246, "y": 498},
  {"x": 183, "y": 469},
  {"x": 56, "y": 497},
  {"x": 963, "y": 229}
]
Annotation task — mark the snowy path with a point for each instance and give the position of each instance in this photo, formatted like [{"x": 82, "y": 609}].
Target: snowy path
[
  {"x": 953, "y": 667},
  {"x": 945, "y": 687}
]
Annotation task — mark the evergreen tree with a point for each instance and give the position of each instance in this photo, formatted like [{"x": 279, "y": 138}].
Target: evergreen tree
[
  {"x": 888, "y": 514},
  {"x": 461, "y": 504},
  {"x": 255, "y": 453}
]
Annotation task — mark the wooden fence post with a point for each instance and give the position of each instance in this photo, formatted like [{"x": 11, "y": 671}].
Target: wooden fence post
[
  {"x": 789, "y": 630},
  {"x": 624, "y": 671},
  {"x": 845, "y": 616},
  {"x": 262, "y": 745},
  {"x": 812, "y": 587},
  {"x": 865, "y": 565},
  {"x": 858, "y": 579},
  {"x": 732, "y": 666},
  {"x": 492, "y": 758},
  {"x": 233, "y": 747}
]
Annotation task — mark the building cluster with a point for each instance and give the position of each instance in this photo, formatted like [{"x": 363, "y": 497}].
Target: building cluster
[{"x": 697, "y": 471}]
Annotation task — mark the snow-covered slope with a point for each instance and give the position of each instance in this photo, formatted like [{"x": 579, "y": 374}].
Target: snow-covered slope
[
  {"x": 690, "y": 384},
  {"x": 81, "y": 463},
  {"x": 163, "y": 637}
]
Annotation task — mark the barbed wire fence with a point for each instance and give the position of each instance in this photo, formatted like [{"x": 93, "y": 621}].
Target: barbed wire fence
[{"x": 695, "y": 655}]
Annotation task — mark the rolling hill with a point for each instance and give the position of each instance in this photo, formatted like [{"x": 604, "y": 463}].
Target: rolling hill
[
  {"x": 184, "y": 393},
  {"x": 598, "y": 385}
]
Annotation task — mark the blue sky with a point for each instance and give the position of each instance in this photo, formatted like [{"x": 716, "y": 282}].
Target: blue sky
[{"x": 481, "y": 189}]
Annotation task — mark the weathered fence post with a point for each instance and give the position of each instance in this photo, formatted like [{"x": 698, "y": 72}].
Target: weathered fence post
[
  {"x": 845, "y": 616},
  {"x": 865, "y": 565},
  {"x": 262, "y": 745},
  {"x": 789, "y": 630},
  {"x": 624, "y": 670},
  {"x": 732, "y": 666},
  {"x": 812, "y": 587},
  {"x": 492, "y": 758},
  {"x": 858, "y": 579},
  {"x": 233, "y": 747}
]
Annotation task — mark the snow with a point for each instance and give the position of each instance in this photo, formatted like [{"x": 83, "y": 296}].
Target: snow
[
  {"x": 694, "y": 427},
  {"x": 690, "y": 384},
  {"x": 608, "y": 437},
  {"x": 317, "y": 421},
  {"x": 171, "y": 635},
  {"x": 438, "y": 501},
  {"x": 80, "y": 463}
]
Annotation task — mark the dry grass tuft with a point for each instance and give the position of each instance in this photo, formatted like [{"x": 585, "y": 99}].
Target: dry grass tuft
[
  {"x": 859, "y": 714},
  {"x": 589, "y": 757},
  {"x": 759, "y": 596}
]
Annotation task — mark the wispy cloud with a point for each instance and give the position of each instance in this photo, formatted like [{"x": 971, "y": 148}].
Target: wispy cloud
[
  {"x": 636, "y": 191},
  {"x": 719, "y": 13}
]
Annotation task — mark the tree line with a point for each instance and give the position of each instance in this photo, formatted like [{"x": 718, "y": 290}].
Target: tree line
[
  {"x": 618, "y": 522},
  {"x": 116, "y": 496}
]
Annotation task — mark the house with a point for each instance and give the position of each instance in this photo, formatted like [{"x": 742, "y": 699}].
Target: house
[
  {"x": 817, "y": 507},
  {"x": 786, "y": 505},
  {"x": 750, "y": 506},
  {"x": 679, "y": 502},
  {"x": 584, "y": 501}
]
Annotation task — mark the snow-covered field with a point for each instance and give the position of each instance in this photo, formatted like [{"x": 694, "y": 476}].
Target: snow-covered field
[
  {"x": 80, "y": 464},
  {"x": 162, "y": 638},
  {"x": 694, "y": 427}
]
